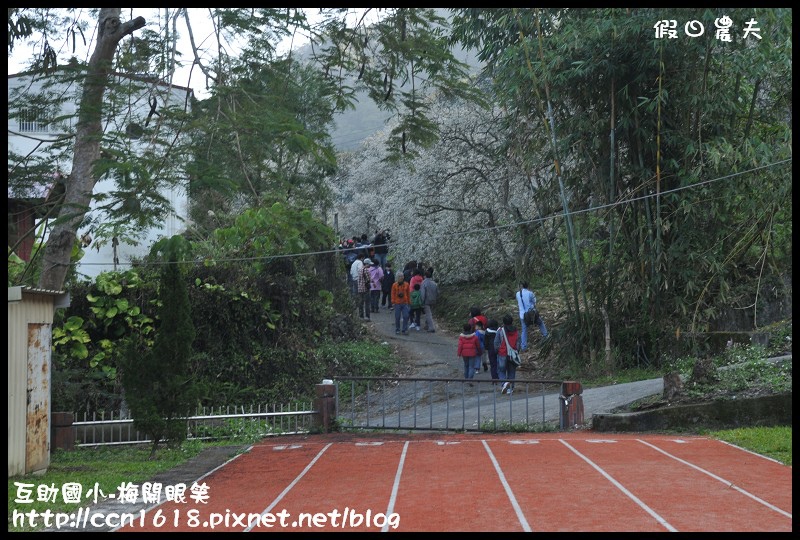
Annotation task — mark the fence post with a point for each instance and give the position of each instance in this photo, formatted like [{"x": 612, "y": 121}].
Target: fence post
[
  {"x": 62, "y": 433},
  {"x": 325, "y": 405},
  {"x": 571, "y": 413}
]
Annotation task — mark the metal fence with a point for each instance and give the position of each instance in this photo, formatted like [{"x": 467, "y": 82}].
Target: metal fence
[
  {"x": 404, "y": 403},
  {"x": 447, "y": 404},
  {"x": 208, "y": 423}
]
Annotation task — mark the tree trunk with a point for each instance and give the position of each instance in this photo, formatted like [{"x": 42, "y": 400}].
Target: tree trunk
[
  {"x": 607, "y": 324},
  {"x": 81, "y": 181}
]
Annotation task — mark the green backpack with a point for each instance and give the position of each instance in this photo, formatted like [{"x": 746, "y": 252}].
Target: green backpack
[{"x": 416, "y": 300}]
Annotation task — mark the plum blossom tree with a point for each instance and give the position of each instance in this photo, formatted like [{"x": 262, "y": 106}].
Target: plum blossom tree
[{"x": 458, "y": 206}]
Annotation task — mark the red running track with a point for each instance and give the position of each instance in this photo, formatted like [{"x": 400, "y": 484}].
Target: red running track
[{"x": 576, "y": 481}]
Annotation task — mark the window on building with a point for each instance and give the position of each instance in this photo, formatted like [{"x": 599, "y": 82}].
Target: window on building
[{"x": 34, "y": 119}]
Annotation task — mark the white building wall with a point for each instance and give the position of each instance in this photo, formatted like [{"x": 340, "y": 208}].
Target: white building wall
[{"x": 23, "y": 141}]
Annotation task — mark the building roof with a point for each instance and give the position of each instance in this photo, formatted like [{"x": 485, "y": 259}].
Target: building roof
[
  {"x": 38, "y": 190},
  {"x": 62, "y": 298},
  {"x": 133, "y": 76}
]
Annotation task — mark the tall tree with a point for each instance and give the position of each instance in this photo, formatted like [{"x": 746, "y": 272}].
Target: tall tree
[
  {"x": 83, "y": 177},
  {"x": 651, "y": 128},
  {"x": 158, "y": 382},
  {"x": 263, "y": 138},
  {"x": 674, "y": 157}
]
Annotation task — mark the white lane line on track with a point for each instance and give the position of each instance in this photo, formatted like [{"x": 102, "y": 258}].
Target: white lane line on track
[
  {"x": 751, "y": 452},
  {"x": 720, "y": 479},
  {"x": 520, "y": 515},
  {"x": 622, "y": 488},
  {"x": 290, "y": 486},
  {"x": 395, "y": 486}
]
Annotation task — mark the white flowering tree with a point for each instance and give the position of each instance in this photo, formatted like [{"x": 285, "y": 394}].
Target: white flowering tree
[{"x": 460, "y": 206}]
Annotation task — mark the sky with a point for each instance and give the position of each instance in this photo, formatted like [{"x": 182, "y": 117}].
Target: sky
[{"x": 202, "y": 29}]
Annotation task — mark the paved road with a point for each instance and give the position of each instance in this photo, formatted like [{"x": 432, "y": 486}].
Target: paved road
[{"x": 454, "y": 405}]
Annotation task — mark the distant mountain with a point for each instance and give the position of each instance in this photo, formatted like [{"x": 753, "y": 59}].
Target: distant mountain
[{"x": 355, "y": 125}]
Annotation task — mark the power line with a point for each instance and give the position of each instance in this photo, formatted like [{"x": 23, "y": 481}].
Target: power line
[{"x": 483, "y": 230}]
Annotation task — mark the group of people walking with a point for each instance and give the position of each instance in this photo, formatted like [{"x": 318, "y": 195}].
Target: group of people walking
[
  {"x": 369, "y": 272},
  {"x": 377, "y": 251},
  {"x": 411, "y": 293},
  {"x": 413, "y": 298},
  {"x": 374, "y": 283},
  {"x": 499, "y": 343}
]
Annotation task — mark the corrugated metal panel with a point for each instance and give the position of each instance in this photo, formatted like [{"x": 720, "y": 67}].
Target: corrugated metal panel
[
  {"x": 34, "y": 309},
  {"x": 37, "y": 434},
  {"x": 17, "y": 379},
  {"x": 14, "y": 294}
]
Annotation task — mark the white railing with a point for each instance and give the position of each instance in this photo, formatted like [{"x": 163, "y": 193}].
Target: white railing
[
  {"x": 441, "y": 404},
  {"x": 208, "y": 423}
]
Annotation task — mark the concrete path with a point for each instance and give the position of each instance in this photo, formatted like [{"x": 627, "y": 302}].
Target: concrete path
[{"x": 433, "y": 355}]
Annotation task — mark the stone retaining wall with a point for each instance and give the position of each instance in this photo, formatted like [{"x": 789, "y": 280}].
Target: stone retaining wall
[{"x": 774, "y": 410}]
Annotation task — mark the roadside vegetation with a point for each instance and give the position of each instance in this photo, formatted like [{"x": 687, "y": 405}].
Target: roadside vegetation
[
  {"x": 101, "y": 469},
  {"x": 742, "y": 364}
]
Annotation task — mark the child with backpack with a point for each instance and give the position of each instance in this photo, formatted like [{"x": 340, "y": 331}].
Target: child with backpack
[
  {"x": 416, "y": 306},
  {"x": 506, "y": 337},
  {"x": 476, "y": 317}
]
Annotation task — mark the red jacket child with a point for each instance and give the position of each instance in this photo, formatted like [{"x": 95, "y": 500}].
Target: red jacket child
[{"x": 469, "y": 345}]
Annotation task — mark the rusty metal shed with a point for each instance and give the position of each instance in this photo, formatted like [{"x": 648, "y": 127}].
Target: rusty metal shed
[{"x": 30, "y": 324}]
